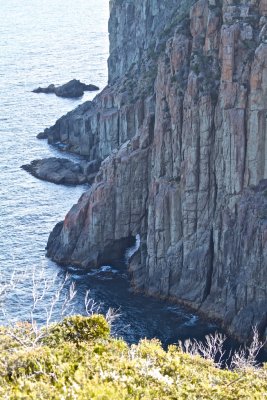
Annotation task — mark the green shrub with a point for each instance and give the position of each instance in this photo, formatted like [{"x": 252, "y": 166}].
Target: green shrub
[
  {"x": 77, "y": 329},
  {"x": 78, "y": 360}
]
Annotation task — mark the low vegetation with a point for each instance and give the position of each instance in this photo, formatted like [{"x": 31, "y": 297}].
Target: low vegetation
[{"x": 78, "y": 359}]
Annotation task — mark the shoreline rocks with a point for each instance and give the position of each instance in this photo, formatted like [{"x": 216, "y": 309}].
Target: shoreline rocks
[
  {"x": 65, "y": 134},
  {"x": 72, "y": 89},
  {"x": 62, "y": 171}
]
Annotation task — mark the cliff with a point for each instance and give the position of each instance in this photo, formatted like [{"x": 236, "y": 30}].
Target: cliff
[{"x": 181, "y": 130}]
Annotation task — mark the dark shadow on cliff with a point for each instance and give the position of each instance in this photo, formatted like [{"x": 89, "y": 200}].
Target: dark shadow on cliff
[{"x": 114, "y": 254}]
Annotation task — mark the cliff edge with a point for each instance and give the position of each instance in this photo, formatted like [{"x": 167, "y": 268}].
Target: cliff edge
[{"x": 182, "y": 134}]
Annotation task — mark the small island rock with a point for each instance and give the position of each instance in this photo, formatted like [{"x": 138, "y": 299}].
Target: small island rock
[{"x": 72, "y": 89}]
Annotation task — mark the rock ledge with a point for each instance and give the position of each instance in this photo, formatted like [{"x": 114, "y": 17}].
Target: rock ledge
[{"x": 63, "y": 171}]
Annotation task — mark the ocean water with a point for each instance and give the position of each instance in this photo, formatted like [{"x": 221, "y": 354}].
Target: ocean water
[{"x": 43, "y": 42}]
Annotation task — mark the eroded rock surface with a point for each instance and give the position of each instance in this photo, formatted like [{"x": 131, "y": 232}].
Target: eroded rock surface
[{"x": 182, "y": 133}]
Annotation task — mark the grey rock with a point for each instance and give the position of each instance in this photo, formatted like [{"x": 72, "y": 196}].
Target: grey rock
[
  {"x": 73, "y": 88},
  {"x": 42, "y": 135},
  {"x": 57, "y": 170},
  {"x": 49, "y": 89}
]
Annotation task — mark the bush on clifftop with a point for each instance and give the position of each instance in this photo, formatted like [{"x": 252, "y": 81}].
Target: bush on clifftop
[{"x": 77, "y": 359}]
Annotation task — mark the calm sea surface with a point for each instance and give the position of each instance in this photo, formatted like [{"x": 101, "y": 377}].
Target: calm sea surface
[{"x": 43, "y": 42}]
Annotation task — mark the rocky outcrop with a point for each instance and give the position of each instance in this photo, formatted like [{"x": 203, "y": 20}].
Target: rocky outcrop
[
  {"x": 73, "y": 88},
  {"x": 181, "y": 130},
  {"x": 62, "y": 171},
  {"x": 102, "y": 215}
]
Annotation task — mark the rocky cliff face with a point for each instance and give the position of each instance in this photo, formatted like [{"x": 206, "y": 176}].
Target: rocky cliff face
[{"x": 181, "y": 130}]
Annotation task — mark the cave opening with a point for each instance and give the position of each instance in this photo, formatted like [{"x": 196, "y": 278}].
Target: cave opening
[{"x": 118, "y": 253}]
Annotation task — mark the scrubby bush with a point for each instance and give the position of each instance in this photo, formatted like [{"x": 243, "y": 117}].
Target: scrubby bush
[
  {"x": 77, "y": 329},
  {"x": 78, "y": 359}
]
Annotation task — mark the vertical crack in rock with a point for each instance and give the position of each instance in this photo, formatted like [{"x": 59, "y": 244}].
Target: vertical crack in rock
[{"x": 210, "y": 268}]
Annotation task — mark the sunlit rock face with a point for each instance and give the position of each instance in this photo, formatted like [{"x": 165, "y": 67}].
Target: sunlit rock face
[{"x": 181, "y": 130}]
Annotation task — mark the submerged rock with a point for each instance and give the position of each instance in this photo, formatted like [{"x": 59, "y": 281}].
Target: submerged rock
[
  {"x": 73, "y": 88},
  {"x": 62, "y": 171}
]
